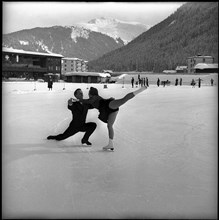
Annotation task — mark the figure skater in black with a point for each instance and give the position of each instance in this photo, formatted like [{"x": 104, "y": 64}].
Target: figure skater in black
[
  {"x": 79, "y": 113},
  {"x": 108, "y": 109}
]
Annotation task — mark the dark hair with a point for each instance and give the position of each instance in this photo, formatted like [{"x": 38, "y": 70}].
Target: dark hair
[
  {"x": 93, "y": 91},
  {"x": 75, "y": 92}
]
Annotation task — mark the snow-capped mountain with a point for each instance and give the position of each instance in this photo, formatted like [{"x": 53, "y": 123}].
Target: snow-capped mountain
[
  {"x": 115, "y": 28},
  {"x": 70, "y": 41},
  {"x": 83, "y": 40}
]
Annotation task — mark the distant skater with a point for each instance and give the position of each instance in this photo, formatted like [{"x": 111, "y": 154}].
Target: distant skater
[
  {"x": 132, "y": 81},
  {"x": 139, "y": 80},
  {"x": 50, "y": 83},
  {"x": 79, "y": 114},
  {"x": 136, "y": 84},
  {"x": 108, "y": 109},
  {"x": 193, "y": 83},
  {"x": 176, "y": 83},
  {"x": 144, "y": 81},
  {"x": 180, "y": 81},
  {"x": 212, "y": 82},
  {"x": 158, "y": 82},
  {"x": 199, "y": 82},
  {"x": 147, "y": 84}
]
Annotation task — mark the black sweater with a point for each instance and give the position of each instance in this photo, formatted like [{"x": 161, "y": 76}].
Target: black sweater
[{"x": 79, "y": 113}]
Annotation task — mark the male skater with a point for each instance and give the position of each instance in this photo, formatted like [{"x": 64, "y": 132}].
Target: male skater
[{"x": 79, "y": 113}]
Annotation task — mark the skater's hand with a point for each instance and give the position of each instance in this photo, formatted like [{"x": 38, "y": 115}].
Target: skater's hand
[
  {"x": 74, "y": 100},
  {"x": 71, "y": 100}
]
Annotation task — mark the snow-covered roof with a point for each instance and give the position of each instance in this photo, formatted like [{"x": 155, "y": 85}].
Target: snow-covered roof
[
  {"x": 104, "y": 75},
  {"x": 11, "y": 50},
  {"x": 107, "y": 71},
  {"x": 206, "y": 66},
  {"x": 169, "y": 71},
  {"x": 86, "y": 74},
  {"x": 74, "y": 58},
  {"x": 70, "y": 58},
  {"x": 181, "y": 67},
  {"x": 200, "y": 56}
]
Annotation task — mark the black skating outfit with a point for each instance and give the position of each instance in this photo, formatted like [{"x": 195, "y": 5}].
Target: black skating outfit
[
  {"x": 79, "y": 113},
  {"x": 102, "y": 105}
]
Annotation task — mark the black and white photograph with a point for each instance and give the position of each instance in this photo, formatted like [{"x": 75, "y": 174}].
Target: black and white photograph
[{"x": 109, "y": 110}]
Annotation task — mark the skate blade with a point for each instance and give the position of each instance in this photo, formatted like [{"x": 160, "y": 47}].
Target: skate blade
[
  {"x": 110, "y": 148},
  {"x": 86, "y": 145}
]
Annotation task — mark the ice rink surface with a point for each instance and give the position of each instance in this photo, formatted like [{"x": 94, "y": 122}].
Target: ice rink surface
[{"x": 164, "y": 164}]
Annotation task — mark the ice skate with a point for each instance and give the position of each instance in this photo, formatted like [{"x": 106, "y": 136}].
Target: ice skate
[
  {"x": 85, "y": 142},
  {"x": 51, "y": 137},
  {"x": 109, "y": 146}
]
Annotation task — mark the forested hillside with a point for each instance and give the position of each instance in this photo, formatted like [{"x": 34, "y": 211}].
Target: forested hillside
[{"x": 191, "y": 30}]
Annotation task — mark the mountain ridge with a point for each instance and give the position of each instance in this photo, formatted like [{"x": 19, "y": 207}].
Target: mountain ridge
[
  {"x": 70, "y": 41},
  {"x": 73, "y": 41},
  {"x": 191, "y": 30}
]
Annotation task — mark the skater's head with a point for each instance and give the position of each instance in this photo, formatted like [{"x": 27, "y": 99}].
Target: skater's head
[
  {"x": 93, "y": 91},
  {"x": 78, "y": 94}
]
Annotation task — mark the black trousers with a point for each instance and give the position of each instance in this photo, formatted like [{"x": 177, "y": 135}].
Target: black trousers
[{"x": 88, "y": 128}]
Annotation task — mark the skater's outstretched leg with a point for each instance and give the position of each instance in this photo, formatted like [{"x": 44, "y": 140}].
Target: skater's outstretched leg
[
  {"x": 68, "y": 132},
  {"x": 116, "y": 103},
  {"x": 111, "y": 120}
]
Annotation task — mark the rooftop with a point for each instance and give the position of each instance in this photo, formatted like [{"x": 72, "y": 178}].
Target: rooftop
[
  {"x": 70, "y": 58},
  {"x": 86, "y": 74},
  {"x": 206, "y": 66},
  {"x": 11, "y": 50},
  {"x": 200, "y": 56},
  {"x": 73, "y": 58}
]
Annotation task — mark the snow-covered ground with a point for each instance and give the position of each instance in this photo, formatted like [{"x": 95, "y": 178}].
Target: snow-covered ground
[{"x": 164, "y": 164}]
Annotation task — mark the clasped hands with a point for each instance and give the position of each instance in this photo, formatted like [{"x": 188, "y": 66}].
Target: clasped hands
[{"x": 71, "y": 100}]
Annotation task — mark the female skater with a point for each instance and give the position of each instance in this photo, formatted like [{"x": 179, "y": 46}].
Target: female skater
[{"x": 108, "y": 109}]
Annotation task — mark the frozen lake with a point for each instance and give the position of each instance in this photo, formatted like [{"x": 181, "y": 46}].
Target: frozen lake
[{"x": 164, "y": 164}]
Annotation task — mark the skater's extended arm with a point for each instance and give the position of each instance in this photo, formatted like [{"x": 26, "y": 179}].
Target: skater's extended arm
[
  {"x": 87, "y": 102},
  {"x": 94, "y": 101}
]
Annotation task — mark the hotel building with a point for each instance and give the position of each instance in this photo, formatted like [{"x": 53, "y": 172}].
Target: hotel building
[
  {"x": 74, "y": 65},
  {"x": 193, "y": 61}
]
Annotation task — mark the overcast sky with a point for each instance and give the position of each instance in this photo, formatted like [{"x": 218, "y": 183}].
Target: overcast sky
[{"x": 26, "y": 15}]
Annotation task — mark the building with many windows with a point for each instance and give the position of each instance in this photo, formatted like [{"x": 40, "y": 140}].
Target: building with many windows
[
  {"x": 74, "y": 65},
  {"x": 193, "y": 61},
  {"x": 30, "y": 65}
]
